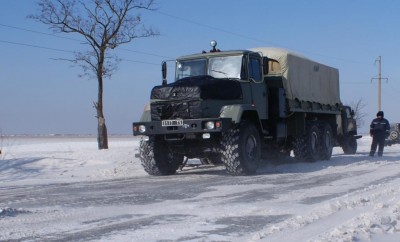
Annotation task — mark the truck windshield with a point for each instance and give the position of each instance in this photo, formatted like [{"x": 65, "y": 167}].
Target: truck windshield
[
  {"x": 218, "y": 67},
  {"x": 190, "y": 68},
  {"x": 225, "y": 66}
]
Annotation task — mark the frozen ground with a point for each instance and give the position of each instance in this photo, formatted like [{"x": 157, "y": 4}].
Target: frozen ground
[{"x": 51, "y": 189}]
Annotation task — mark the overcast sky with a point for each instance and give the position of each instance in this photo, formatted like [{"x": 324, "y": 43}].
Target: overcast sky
[{"x": 40, "y": 95}]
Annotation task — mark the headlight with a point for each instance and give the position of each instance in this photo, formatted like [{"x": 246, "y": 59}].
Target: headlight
[
  {"x": 210, "y": 125},
  {"x": 142, "y": 128}
]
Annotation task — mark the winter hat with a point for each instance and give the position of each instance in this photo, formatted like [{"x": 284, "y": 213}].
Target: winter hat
[{"x": 380, "y": 113}]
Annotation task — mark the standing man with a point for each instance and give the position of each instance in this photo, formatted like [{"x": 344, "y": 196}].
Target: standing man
[{"x": 379, "y": 129}]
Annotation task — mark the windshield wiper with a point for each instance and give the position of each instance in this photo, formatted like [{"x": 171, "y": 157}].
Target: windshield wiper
[{"x": 221, "y": 73}]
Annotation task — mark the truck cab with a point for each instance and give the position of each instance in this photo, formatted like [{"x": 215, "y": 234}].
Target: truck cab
[
  {"x": 212, "y": 93},
  {"x": 209, "y": 85}
]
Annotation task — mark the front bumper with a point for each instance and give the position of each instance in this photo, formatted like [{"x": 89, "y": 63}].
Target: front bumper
[{"x": 187, "y": 126}]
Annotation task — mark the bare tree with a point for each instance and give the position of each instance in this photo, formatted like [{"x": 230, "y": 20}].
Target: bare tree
[
  {"x": 104, "y": 25},
  {"x": 358, "y": 107}
]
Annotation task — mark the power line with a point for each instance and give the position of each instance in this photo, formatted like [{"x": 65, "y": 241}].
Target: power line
[
  {"x": 142, "y": 62},
  {"x": 61, "y": 37},
  {"x": 145, "y": 53},
  {"x": 191, "y": 22},
  {"x": 212, "y": 27},
  {"x": 35, "y": 46},
  {"x": 37, "y": 32},
  {"x": 195, "y": 23},
  {"x": 68, "y": 51},
  {"x": 254, "y": 39}
]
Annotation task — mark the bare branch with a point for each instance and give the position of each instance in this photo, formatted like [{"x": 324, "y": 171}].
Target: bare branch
[{"x": 358, "y": 108}]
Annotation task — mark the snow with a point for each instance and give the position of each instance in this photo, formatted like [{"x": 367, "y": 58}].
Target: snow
[
  {"x": 335, "y": 210},
  {"x": 44, "y": 160}
]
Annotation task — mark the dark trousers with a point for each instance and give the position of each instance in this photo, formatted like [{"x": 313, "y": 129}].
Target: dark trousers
[{"x": 378, "y": 140}]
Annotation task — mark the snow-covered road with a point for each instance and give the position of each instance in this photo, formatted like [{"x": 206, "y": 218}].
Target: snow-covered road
[{"x": 64, "y": 189}]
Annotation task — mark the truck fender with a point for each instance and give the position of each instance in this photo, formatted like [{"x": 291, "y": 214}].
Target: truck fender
[{"x": 235, "y": 112}]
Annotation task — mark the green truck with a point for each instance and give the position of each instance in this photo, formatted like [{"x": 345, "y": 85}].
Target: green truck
[{"x": 237, "y": 107}]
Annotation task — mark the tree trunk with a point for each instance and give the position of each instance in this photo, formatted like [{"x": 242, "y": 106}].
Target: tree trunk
[{"x": 102, "y": 138}]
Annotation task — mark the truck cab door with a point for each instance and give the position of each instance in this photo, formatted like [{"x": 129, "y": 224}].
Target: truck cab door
[
  {"x": 258, "y": 87},
  {"x": 349, "y": 122}
]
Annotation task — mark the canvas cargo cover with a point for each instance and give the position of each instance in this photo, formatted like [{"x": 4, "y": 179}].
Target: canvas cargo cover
[{"x": 304, "y": 79}]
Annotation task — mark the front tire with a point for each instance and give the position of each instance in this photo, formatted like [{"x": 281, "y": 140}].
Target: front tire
[
  {"x": 241, "y": 149},
  {"x": 157, "y": 157},
  {"x": 349, "y": 145}
]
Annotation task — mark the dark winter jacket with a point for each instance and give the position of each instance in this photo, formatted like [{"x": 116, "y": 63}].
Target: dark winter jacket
[{"x": 380, "y": 127}]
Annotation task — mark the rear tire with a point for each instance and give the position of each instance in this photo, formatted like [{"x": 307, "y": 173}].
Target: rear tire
[
  {"x": 157, "y": 157},
  {"x": 241, "y": 149},
  {"x": 299, "y": 147},
  {"x": 326, "y": 142},
  {"x": 307, "y": 147}
]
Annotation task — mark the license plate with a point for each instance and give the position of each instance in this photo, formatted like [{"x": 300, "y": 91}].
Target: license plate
[{"x": 177, "y": 122}]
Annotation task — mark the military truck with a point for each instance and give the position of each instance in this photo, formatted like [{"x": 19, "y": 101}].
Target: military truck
[{"x": 235, "y": 107}]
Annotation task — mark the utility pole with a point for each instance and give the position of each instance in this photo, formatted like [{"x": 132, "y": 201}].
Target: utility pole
[{"x": 379, "y": 60}]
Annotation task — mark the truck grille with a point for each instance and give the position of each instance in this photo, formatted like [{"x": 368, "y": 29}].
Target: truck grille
[{"x": 176, "y": 110}]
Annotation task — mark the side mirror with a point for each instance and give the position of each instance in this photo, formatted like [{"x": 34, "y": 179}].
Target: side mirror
[{"x": 164, "y": 72}]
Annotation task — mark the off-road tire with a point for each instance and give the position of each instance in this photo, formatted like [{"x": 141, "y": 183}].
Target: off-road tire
[
  {"x": 326, "y": 146},
  {"x": 157, "y": 157},
  {"x": 349, "y": 145},
  {"x": 307, "y": 147},
  {"x": 241, "y": 149},
  {"x": 394, "y": 135},
  {"x": 299, "y": 147}
]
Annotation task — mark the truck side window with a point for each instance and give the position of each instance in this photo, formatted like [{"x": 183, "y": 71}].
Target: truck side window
[
  {"x": 255, "y": 69},
  {"x": 243, "y": 72}
]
